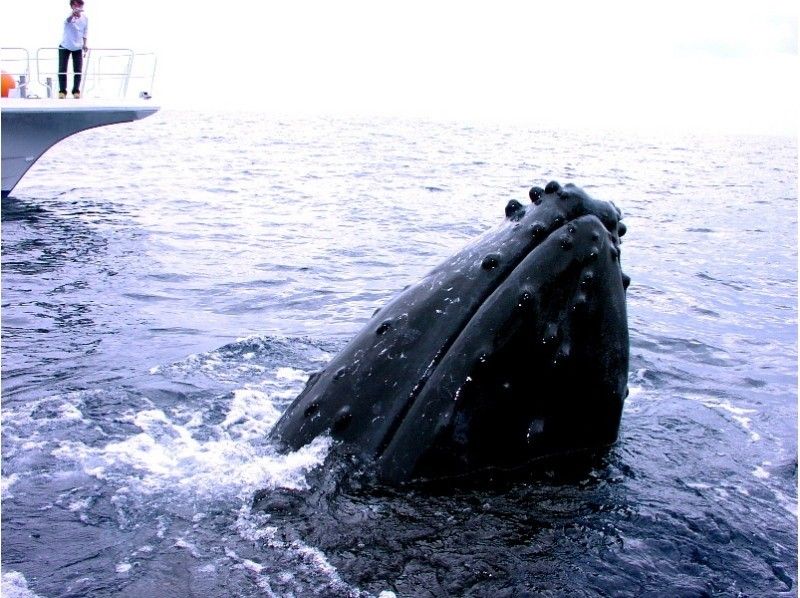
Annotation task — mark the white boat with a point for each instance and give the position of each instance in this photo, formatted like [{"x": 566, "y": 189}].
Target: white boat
[{"x": 115, "y": 88}]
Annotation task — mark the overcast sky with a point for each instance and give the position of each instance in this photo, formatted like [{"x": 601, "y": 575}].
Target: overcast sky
[{"x": 700, "y": 64}]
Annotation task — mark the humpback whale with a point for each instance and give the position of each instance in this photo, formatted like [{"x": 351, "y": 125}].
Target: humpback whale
[{"x": 511, "y": 351}]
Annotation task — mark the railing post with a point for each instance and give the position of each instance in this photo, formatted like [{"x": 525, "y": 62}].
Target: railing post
[
  {"x": 85, "y": 70},
  {"x": 127, "y": 75},
  {"x": 23, "y": 86},
  {"x": 49, "y": 85}
]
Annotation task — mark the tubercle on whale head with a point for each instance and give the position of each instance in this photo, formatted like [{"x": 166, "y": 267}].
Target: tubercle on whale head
[{"x": 555, "y": 205}]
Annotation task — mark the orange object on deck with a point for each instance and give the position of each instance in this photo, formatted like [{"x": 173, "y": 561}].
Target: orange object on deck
[{"x": 8, "y": 83}]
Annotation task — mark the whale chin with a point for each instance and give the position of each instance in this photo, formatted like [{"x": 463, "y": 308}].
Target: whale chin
[{"x": 513, "y": 350}]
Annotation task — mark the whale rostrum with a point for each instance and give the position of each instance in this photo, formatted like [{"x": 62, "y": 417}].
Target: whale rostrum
[{"x": 512, "y": 350}]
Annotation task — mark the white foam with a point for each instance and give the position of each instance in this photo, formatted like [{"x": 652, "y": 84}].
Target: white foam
[
  {"x": 746, "y": 422},
  {"x": 726, "y": 406},
  {"x": 738, "y": 414},
  {"x": 252, "y": 566},
  {"x": 189, "y": 546},
  {"x": 252, "y": 526},
  {"x": 14, "y": 585},
  {"x": 287, "y": 394},
  {"x": 317, "y": 559},
  {"x": 165, "y": 456},
  {"x": 56, "y": 408},
  {"x": 80, "y": 505},
  {"x": 760, "y": 472},
  {"x": 5, "y": 485},
  {"x": 176, "y": 457},
  {"x": 291, "y": 374},
  {"x": 32, "y": 445},
  {"x": 214, "y": 365},
  {"x": 242, "y": 563},
  {"x": 191, "y": 417},
  {"x": 70, "y": 412},
  {"x": 251, "y": 414},
  {"x": 633, "y": 392},
  {"x": 698, "y": 485},
  {"x": 788, "y": 503},
  {"x": 162, "y": 526},
  {"x": 264, "y": 585}
]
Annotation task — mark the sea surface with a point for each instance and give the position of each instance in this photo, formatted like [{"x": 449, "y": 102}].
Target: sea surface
[{"x": 169, "y": 285}]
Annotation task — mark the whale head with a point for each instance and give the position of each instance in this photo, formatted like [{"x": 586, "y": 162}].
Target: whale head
[{"x": 513, "y": 350}]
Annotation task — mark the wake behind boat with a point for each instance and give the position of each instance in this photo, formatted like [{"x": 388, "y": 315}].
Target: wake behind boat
[{"x": 115, "y": 89}]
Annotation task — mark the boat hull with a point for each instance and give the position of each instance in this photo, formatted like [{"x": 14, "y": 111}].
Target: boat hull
[{"x": 32, "y": 126}]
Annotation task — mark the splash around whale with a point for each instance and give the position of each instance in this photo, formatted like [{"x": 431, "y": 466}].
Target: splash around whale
[{"x": 511, "y": 351}]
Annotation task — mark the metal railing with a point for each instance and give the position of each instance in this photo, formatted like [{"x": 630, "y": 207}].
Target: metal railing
[
  {"x": 108, "y": 73},
  {"x": 17, "y": 63}
]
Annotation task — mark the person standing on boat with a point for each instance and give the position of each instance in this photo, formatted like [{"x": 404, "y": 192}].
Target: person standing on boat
[{"x": 73, "y": 44}]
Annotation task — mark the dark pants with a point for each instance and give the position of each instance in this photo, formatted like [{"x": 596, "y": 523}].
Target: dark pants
[{"x": 77, "y": 68}]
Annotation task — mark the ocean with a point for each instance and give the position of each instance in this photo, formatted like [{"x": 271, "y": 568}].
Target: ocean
[{"x": 169, "y": 285}]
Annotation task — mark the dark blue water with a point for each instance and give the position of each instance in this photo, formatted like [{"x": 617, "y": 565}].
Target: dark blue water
[{"x": 167, "y": 287}]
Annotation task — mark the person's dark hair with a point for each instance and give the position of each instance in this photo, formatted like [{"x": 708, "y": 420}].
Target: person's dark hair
[{"x": 78, "y": 2}]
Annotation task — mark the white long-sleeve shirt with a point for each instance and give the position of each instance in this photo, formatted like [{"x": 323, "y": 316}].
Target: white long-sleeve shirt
[{"x": 75, "y": 29}]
